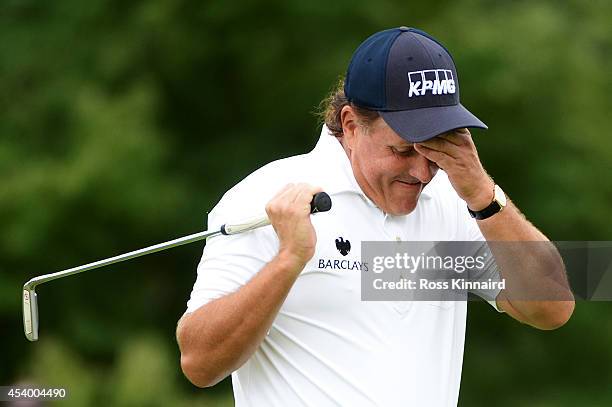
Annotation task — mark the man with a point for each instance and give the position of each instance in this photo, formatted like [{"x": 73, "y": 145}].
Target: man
[{"x": 270, "y": 307}]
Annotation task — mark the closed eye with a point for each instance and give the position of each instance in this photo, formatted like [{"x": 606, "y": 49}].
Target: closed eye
[{"x": 402, "y": 152}]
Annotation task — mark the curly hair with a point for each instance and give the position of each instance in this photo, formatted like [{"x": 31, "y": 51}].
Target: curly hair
[{"x": 331, "y": 107}]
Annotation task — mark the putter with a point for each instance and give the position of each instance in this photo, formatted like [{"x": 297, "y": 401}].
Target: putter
[{"x": 321, "y": 202}]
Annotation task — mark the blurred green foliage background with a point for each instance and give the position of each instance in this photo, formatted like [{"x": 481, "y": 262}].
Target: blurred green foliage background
[{"x": 122, "y": 123}]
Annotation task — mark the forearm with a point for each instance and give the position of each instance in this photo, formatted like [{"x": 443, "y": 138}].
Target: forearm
[
  {"x": 510, "y": 225},
  {"x": 537, "y": 291},
  {"x": 221, "y": 335}
]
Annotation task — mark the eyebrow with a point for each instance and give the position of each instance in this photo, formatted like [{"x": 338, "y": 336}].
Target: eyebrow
[{"x": 402, "y": 147}]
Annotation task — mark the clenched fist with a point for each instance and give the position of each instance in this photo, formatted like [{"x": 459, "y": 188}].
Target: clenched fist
[{"x": 289, "y": 213}]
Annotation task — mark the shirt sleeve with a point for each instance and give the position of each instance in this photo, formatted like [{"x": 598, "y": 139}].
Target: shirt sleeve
[
  {"x": 229, "y": 262},
  {"x": 468, "y": 230}
]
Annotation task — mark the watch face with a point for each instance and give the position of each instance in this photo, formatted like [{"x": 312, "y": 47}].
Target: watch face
[{"x": 500, "y": 196}]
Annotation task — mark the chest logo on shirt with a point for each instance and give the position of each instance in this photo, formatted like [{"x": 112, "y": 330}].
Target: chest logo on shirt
[
  {"x": 343, "y": 246},
  {"x": 333, "y": 263}
]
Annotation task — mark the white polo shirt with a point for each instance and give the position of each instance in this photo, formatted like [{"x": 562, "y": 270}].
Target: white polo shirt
[{"x": 326, "y": 347}]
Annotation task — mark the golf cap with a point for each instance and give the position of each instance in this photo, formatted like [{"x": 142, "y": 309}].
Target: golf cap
[{"x": 411, "y": 80}]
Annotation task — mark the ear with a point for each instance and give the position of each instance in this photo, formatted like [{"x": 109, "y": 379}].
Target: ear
[{"x": 349, "y": 125}]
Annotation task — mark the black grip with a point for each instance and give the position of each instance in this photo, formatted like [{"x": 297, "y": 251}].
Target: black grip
[{"x": 321, "y": 202}]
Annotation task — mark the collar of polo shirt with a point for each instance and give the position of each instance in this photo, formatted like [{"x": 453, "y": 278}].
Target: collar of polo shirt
[{"x": 338, "y": 174}]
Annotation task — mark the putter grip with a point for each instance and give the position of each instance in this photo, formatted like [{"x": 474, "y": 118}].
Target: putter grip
[{"x": 321, "y": 202}]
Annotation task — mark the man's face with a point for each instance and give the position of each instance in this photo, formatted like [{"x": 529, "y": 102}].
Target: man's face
[{"x": 387, "y": 168}]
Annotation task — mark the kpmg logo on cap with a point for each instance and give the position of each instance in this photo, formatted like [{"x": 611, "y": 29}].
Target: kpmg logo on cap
[{"x": 437, "y": 81}]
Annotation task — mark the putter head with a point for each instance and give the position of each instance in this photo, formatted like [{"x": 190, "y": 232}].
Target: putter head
[{"x": 30, "y": 312}]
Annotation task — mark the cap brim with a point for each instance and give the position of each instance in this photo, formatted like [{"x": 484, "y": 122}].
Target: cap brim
[{"x": 422, "y": 124}]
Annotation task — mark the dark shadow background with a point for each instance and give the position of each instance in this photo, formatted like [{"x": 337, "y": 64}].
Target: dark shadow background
[{"x": 122, "y": 123}]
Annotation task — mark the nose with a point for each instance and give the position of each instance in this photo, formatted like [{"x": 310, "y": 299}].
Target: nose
[{"x": 422, "y": 168}]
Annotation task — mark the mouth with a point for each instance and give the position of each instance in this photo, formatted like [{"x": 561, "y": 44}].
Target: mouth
[{"x": 410, "y": 185}]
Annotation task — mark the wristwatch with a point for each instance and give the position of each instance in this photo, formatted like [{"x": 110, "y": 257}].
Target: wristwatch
[{"x": 498, "y": 204}]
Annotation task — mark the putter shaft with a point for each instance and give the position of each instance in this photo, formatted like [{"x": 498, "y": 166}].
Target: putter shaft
[{"x": 122, "y": 257}]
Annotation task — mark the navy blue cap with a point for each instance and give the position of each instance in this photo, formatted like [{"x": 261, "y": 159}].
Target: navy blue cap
[{"x": 411, "y": 80}]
